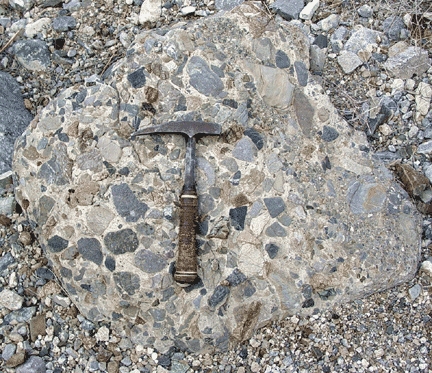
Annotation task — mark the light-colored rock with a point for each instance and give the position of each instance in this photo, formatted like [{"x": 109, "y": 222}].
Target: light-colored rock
[
  {"x": 38, "y": 26},
  {"x": 423, "y": 100},
  {"x": 150, "y": 11},
  {"x": 425, "y": 147},
  {"x": 288, "y": 197},
  {"x": 329, "y": 23},
  {"x": 10, "y": 300},
  {"x": 349, "y": 61},
  {"x": 412, "y": 60},
  {"x": 309, "y": 10}
]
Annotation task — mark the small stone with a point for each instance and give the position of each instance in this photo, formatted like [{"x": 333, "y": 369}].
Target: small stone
[
  {"x": 127, "y": 282},
  {"x": 329, "y": 134},
  {"x": 120, "y": 242},
  {"x": 282, "y": 60},
  {"x": 256, "y": 137},
  {"x": 219, "y": 294},
  {"x": 272, "y": 250},
  {"x": 275, "y": 230},
  {"x": 187, "y": 10},
  {"x": 10, "y": 300},
  {"x": 103, "y": 334},
  {"x": 8, "y": 351},
  {"x": 288, "y": 10},
  {"x": 329, "y": 23},
  {"x": 63, "y": 24},
  {"x": 33, "y": 54},
  {"x": 245, "y": 150},
  {"x": 127, "y": 204},
  {"x": 426, "y": 267},
  {"x": 25, "y": 238},
  {"x": 302, "y": 73},
  {"x": 149, "y": 261},
  {"x": 61, "y": 301},
  {"x": 349, "y": 61},
  {"x": 150, "y": 11},
  {"x": 309, "y": 10},
  {"x": 7, "y": 205},
  {"x": 202, "y": 78},
  {"x": 57, "y": 244},
  {"x": 5, "y": 261},
  {"x": 34, "y": 364},
  {"x": 37, "y": 326},
  {"x": 365, "y": 11},
  {"x": 238, "y": 216},
  {"x": 275, "y": 206},
  {"x": 425, "y": 148},
  {"x": 137, "y": 79},
  {"x": 423, "y": 99},
  {"x": 90, "y": 249},
  {"x": 227, "y": 4},
  {"x": 413, "y": 60},
  {"x": 393, "y": 26},
  {"x": 414, "y": 291}
]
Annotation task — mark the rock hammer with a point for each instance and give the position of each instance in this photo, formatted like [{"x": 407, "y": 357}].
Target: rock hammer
[{"x": 186, "y": 265}]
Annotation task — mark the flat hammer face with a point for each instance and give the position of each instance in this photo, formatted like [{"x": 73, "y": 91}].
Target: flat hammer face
[{"x": 186, "y": 266}]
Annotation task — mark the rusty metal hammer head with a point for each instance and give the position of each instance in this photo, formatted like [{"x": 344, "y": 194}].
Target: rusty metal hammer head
[{"x": 188, "y": 128}]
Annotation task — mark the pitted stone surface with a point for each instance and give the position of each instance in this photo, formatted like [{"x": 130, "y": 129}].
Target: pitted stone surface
[{"x": 296, "y": 217}]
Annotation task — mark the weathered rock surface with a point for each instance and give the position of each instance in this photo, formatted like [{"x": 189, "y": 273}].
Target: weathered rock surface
[
  {"x": 296, "y": 215},
  {"x": 14, "y": 118}
]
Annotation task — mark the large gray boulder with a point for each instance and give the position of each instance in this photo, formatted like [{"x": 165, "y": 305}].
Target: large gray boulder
[
  {"x": 14, "y": 118},
  {"x": 296, "y": 215}
]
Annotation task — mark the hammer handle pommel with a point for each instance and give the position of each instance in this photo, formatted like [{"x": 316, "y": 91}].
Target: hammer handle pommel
[{"x": 186, "y": 266}]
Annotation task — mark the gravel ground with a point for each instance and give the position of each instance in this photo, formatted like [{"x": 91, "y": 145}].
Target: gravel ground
[{"x": 386, "y": 332}]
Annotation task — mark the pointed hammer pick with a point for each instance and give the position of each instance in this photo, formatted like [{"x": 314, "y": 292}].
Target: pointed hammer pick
[{"x": 186, "y": 266}]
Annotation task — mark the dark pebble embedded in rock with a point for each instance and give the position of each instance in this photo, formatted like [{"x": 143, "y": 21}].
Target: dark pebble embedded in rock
[
  {"x": 120, "y": 242},
  {"x": 63, "y": 24},
  {"x": 288, "y": 10},
  {"x": 236, "y": 278},
  {"x": 202, "y": 78},
  {"x": 272, "y": 250},
  {"x": 238, "y": 216},
  {"x": 57, "y": 244},
  {"x": 110, "y": 263},
  {"x": 127, "y": 281},
  {"x": 219, "y": 294},
  {"x": 126, "y": 204},
  {"x": 245, "y": 150},
  {"x": 256, "y": 137},
  {"x": 282, "y": 60},
  {"x": 149, "y": 261},
  {"x": 329, "y": 134},
  {"x": 90, "y": 249},
  {"x": 137, "y": 79},
  {"x": 275, "y": 205},
  {"x": 230, "y": 103},
  {"x": 275, "y": 230},
  {"x": 235, "y": 180},
  {"x": 301, "y": 72}
]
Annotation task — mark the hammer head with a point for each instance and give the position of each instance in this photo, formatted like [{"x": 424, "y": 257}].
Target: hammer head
[{"x": 188, "y": 128}]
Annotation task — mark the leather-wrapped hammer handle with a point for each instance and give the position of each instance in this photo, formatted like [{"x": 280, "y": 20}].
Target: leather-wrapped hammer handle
[{"x": 186, "y": 265}]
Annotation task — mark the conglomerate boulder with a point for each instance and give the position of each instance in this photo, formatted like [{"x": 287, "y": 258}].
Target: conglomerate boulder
[{"x": 296, "y": 215}]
